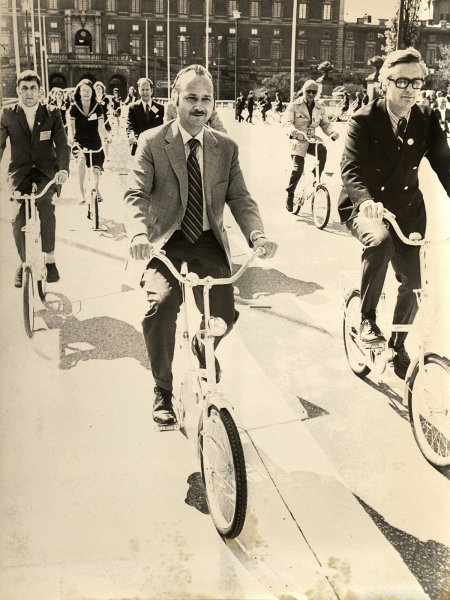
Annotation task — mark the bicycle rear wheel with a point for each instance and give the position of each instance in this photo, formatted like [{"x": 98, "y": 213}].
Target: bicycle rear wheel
[
  {"x": 28, "y": 302},
  {"x": 352, "y": 321},
  {"x": 269, "y": 118},
  {"x": 321, "y": 207},
  {"x": 255, "y": 118},
  {"x": 427, "y": 393},
  {"x": 223, "y": 472},
  {"x": 42, "y": 283},
  {"x": 298, "y": 203}
]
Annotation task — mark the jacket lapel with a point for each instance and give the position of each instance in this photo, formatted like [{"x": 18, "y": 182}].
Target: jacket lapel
[
  {"x": 22, "y": 119},
  {"x": 38, "y": 120},
  {"x": 177, "y": 158},
  {"x": 384, "y": 131},
  {"x": 211, "y": 159}
]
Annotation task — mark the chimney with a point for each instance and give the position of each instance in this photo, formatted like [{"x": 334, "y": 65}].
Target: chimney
[
  {"x": 443, "y": 24},
  {"x": 383, "y": 22},
  {"x": 369, "y": 18}
]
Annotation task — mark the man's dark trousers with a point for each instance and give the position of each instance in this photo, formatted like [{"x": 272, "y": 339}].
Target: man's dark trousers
[
  {"x": 164, "y": 296},
  {"x": 298, "y": 165},
  {"x": 46, "y": 212},
  {"x": 381, "y": 245}
]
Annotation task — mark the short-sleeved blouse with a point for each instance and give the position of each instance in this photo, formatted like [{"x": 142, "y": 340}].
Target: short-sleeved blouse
[{"x": 86, "y": 128}]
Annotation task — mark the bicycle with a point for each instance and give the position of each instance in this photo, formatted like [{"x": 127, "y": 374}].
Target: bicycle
[
  {"x": 257, "y": 116},
  {"x": 314, "y": 191},
  {"x": 34, "y": 267},
  {"x": 202, "y": 411},
  {"x": 427, "y": 383},
  {"x": 90, "y": 188}
]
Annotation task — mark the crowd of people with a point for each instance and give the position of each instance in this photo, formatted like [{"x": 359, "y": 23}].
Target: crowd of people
[{"x": 183, "y": 148}]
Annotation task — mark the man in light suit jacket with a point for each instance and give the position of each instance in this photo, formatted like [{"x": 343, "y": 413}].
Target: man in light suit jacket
[
  {"x": 443, "y": 114},
  {"x": 161, "y": 196},
  {"x": 39, "y": 153},
  {"x": 385, "y": 144},
  {"x": 143, "y": 114}
]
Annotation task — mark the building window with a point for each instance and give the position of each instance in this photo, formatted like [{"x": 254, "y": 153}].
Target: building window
[
  {"x": 232, "y": 49},
  {"x": 301, "y": 33},
  {"x": 348, "y": 56},
  {"x": 276, "y": 32},
  {"x": 253, "y": 50},
  {"x": 183, "y": 49},
  {"x": 349, "y": 35},
  {"x": 53, "y": 25},
  {"x": 53, "y": 4},
  {"x": 210, "y": 5},
  {"x": 111, "y": 26},
  {"x": 325, "y": 52},
  {"x": 135, "y": 44},
  {"x": 232, "y": 30},
  {"x": 371, "y": 36},
  {"x": 24, "y": 42},
  {"x": 301, "y": 51},
  {"x": 135, "y": 27},
  {"x": 326, "y": 34},
  {"x": 432, "y": 38},
  {"x": 275, "y": 50},
  {"x": 370, "y": 53},
  {"x": 182, "y": 29},
  {"x": 135, "y": 6},
  {"x": 302, "y": 11},
  {"x": 5, "y": 41},
  {"x": 159, "y": 45},
  {"x": 111, "y": 5},
  {"x": 254, "y": 10},
  {"x": 159, "y": 7},
  {"x": 431, "y": 56},
  {"x": 111, "y": 45},
  {"x": 82, "y": 4},
  {"x": 210, "y": 47},
  {"x": 277, "y": 10},
  {"x": 54, "y": 44},
  {"x": 254, "y": 32},
  {"x": 232, "y": 6},
  {"x": 326, "y": 15},
  {"x": 182, "y": 7},
  {"x": 447, "y": 17},
  {"x": 159, "y": 28}
]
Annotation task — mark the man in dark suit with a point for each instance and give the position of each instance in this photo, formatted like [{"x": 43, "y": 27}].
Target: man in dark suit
[
  {"x": 39, "y": 153},
  {"x": 143, "y": 114},
  {"x": 184, "y": 174},
  {"x": 443, "y": 114},
  {"x": 386, "y": 142}
]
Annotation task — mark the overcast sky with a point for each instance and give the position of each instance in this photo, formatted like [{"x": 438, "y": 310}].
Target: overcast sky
[{"x": 379, "y": 9}]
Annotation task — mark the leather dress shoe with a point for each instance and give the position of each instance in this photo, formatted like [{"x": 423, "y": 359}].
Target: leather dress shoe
[
  {"x": 370, "y": 333},
  {"x": 162, "y": 407},
  {"x": 18, "y": 276},
  {"x": 401, "y": 362},
  {"x": 290, "y": 203},
  {"x": 52, "y": 273}
]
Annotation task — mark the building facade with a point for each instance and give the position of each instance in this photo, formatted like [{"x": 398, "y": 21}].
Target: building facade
[{"x": 109, "y": 40}]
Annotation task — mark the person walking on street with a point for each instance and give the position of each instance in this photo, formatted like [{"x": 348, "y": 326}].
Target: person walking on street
[
  {"x": 266, "y": 105},
  {"x": 116, "y": 107},
  {"x": 184, "y": 174},
  {"x": 105, "y": 103},
  {"x": 250, "y": 107},
  {"x": 240, "y": 105},
  {"x": 300, "y": 120},
  {"x": 39, "y": 153},
  {"x": 443, "y": 114},
  {"x": 278, "y": 107},
  {"x": 385, "y": 144},
  {"x": 143, "y": 114}
]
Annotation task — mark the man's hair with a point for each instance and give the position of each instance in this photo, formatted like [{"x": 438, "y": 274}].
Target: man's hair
[
  {"x": 197, "y": 69},
  {"x": 143, "y": 80},
  {"x": 28, "y": 75},
  {"x": 398, "y": 57}
]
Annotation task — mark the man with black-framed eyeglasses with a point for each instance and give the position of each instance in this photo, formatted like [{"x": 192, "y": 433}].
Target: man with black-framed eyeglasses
[
  {"x": 300, "y": 120},
  {"x": 385, "y": 144}
]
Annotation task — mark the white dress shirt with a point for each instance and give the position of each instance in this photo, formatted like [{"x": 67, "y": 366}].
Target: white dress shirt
[{"x": 30, "y": 113}]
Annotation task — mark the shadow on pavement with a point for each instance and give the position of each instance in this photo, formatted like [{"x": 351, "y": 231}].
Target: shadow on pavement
[
  {"x": 428, "y": 561},
  {"x": 384, "y": 389},
  {"x": 100, "y": 338},
  {"x": 332, "y": 227},
  {"x": 196, "y": 494},
  {"x": 257, "y": 281},
  {"x": 115, "y": 231}
]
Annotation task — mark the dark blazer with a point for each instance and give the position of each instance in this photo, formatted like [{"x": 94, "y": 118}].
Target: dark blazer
[
  {"x": 46, "y": 148},
  {"x": 372, "y": 166},
  {"x": 447, "y": 119},
  {"x": 137, "y": 123}
]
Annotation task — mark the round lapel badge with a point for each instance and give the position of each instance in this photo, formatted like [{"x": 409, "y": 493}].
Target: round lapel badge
[{"x": 410, "y": 142}]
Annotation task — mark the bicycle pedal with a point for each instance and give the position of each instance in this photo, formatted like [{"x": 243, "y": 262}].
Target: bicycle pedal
[
  {"x": 172, "y": 427},
  {"x": 374, "y": 345}
]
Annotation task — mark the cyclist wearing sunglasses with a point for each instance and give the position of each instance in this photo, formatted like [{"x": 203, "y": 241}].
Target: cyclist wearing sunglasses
[
  {"x": 300, "y": 120},
  {"x": 385, "y": 144}
]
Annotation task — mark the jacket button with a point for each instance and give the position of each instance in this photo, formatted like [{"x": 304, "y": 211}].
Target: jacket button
[
  {"x": 382, "y": 189},
  {"x": 406, "y": 187},
  {"x": 414, "y": 168}
]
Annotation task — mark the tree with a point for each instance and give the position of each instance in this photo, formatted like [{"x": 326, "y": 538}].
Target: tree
[
  {"x": 281, "y": 83},
  {"x": 444, "y": 63},
  {"x": 411, "y": 27}
]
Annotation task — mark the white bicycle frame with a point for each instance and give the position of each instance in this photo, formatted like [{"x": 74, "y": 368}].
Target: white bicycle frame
[{"x": 89, "y": 182}]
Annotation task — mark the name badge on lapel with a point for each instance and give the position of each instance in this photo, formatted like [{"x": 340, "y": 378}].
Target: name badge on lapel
[
  {"x": 316, "y": 119},
  {"x": 93, "y": 117},
  {"x": 45, "y": 135},
  {"x": 154, "y": 109}
]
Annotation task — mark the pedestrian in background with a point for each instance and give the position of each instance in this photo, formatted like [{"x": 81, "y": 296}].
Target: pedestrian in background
[
  {"x": 105, "y": 103},
  {"x": 423, "y": 100},
  {"x": 365, "y": 98},
  {"x": 266, "y": 105},
  {"x": 143, "y": 114},
  {"x": 240, "y": 105},
  {"x": 278, "y": 105},
  {"x": 116, "y": 107},
  {"x": 57, "y": 99},
  {"x": 443, "y": 114},
  {"x": 131, "y": 96},
  {"x": 250, "y": 107}
]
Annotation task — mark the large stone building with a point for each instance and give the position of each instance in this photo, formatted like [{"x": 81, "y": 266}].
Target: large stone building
[{"x": 107, "y": 40}]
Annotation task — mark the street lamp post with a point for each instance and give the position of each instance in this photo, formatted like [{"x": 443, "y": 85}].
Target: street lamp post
[
  {"x": 219, "y": 39},
  {"x": 155, "y": 52},
  {"x": 400, "y": 25},
  {"x": 236, "y": 16},
  {"x": 26, "y": 8}
]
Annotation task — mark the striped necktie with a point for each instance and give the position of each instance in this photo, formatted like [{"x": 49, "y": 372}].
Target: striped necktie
[
  {"x": 147, "y": 113},
  {"x": 192, "y": 224},
  {"x": 401, "y": 128}
]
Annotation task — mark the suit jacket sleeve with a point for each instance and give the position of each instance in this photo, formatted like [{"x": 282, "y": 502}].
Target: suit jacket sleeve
[
  {"x": 354, "y": 158},
  {"x": 438, "y": 152},
  {"x": 170, "y": 112},
  {"x": 215, "y": 122},
  {"x": 138, "y": 196},
  {"x": 131, "y": 128},
  {"x": 60, "y": 141},
  {"x": 3, "y": 133}
]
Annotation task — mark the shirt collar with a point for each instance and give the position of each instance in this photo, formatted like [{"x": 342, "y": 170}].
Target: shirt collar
[
  {"x": 395, "y": 118},
  {"x": 187, "y": 136}
]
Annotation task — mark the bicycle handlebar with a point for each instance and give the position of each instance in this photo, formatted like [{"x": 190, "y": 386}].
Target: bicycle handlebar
[
  {"x": 411, "y": 241},
  {"x": 192, "y": 279},
  {"x": 19, "y": 196},
  {"x": 87, "y": 149}
]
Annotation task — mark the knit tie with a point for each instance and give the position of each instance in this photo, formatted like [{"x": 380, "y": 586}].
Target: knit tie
[{"x": 192, "y": 224}]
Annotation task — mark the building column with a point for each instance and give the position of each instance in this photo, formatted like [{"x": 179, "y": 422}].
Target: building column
[
  {"x": 340, "y": 39},
  {"x": 98, "y": 35},
  {"x": 68, "y": 28}
]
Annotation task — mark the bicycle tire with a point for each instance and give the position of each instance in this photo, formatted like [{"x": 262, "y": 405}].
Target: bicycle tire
[
  {"x": 298, "y": 203},
  {"x": 269, "y": 119},
  {"x": 427, "y": 394},
  {"x": 351, "y": 323},
  {"x": 221, "y": 452},
  {"x": 42, "y": 284},
  {"x": 94, "y": 209},
  {"x": 255, "y": 118},
  {"x": 321, "y": 207},
  {"x": 28, "y": 302}
]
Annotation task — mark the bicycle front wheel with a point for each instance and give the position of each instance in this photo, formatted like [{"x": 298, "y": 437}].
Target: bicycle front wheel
[
  {"x": 352, "y": 321},
  {"x": 223, "y": 471},
  {"x": 321, "y": 207},
  {"x": 269, "y": 118},
  {"x": 42, "y": 284},
  {"x": 427, "y": 393},
  {"x": 255, "y": 118},
  {"x": 28, "y": 302}
]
